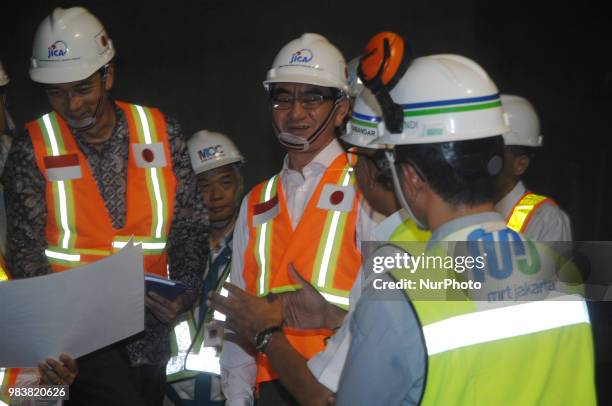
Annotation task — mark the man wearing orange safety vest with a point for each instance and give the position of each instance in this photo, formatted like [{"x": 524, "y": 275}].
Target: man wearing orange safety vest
[
  {"x": 538, "y": 217},
  {"x": 310, "y": 214},
  {"x": 107, "y": 170}
]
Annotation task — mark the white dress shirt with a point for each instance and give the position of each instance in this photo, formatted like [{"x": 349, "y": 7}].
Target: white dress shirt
[
  {"x": 548, "y": 223},
  {"x": 238, "y": 368}
]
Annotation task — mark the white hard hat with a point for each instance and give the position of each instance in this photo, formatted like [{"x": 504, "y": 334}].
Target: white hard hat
[
  {"x": 209, "y": 150},
  {"x": 69, "y": 45},
  {"x": 4, "y": 79},
  {"x": 445, "y": 98},
  {"x": 524, "y": 122},
  {"x": 355, "y": 85},
  {"x": 310, "y": 59},
  {"x": 362, "y": 128}
]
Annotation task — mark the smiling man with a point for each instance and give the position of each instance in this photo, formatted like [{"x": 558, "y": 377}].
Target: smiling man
[
  {"x": 193, "y": 369},
  {"x": 105, "y": 170},
  {"x": 310, "y": 214}
]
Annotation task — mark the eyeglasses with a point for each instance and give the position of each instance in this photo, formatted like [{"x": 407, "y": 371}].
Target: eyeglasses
[
  {"x": 378, "y": 158},
  {"x": 308, "y": 101}
]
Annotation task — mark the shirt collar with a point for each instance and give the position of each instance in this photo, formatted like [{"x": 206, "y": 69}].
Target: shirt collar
[
  {"x": 324, "y": 158},
  {"x": 457, "y": 224},
  {"x": 384, "y": 230},
  {"x": 507, "y": 203}
]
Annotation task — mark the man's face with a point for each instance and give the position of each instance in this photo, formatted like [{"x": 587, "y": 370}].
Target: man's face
[
  {"x": 221, "y": 189},
  {"x": 513, "y": 169},
  {"x": 368, "y": 177},
  {"x": 300, "y": 109},
  {"x": 75, "y": 101}
]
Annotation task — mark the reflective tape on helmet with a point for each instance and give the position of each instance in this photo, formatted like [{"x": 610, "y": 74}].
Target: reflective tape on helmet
[{"x": 505, "y": 322}]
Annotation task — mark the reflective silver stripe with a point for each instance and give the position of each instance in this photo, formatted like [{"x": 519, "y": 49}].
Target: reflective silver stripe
[
  {"x": 205, "y": 361},
  {"x": 156, "y": 187},
  {"x": 335, "y": 299},
  {"x": 223, "y": 292},
  {"x": 183, "y": 341},
  {"x": 331, "y": 237},
  {"x": 145, "y": 245},
  {"x": 183, "y": 336},
  {"x": 262, "y": 242},
  {"x": 63, "y": 206},
  {"x": 505, "y": 322},
  {"x": 63, "y": 256}
]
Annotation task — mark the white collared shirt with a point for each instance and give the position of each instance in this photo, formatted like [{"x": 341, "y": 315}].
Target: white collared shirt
[
  {"x": 548, "y": 223},
  {"x": 238, "y": 368}
]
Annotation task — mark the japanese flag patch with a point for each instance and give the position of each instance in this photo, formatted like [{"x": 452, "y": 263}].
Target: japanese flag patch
[
  {"x": 266, "y": 211},
  {"x": 62, "y": 167},
  {"x": 336, "y": 197},
  {"x": 149, "y": 155}
]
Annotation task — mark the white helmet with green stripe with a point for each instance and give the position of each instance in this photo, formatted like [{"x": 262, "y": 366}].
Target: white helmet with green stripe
[
  {"x": 445, "y": 98},
  {"x": 365, "y": 123}
]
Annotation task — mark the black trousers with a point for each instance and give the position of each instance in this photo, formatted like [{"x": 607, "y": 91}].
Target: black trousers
[
  {"x": 273, "y": 393},
  {"x": 106, "y": 378}
]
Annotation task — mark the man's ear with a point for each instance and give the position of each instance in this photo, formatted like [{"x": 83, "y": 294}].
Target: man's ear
[
  {"x": 411, "y": 180},
  {"x": 109, "y": 76},
  {"x": 520, "y": 165},
  {"x": 342, "y": 112}
]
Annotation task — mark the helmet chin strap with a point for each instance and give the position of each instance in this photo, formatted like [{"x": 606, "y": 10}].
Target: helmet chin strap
[
  {"x": 399, "y": 191},
  {"x": 89, "y": 122},
  {"x": 296, "y": 143}
]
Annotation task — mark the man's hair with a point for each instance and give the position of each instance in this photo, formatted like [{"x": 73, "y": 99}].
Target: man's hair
[
  {"x": 463, "y": 172},
  {"x": 518, "y": 150}
]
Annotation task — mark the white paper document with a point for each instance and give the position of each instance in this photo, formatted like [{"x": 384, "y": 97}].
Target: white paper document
[{"x": 76, "y": 311}]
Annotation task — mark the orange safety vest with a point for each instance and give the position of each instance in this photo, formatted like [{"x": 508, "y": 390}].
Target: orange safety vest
[
  {"x": 523, "y": 210},
  {"x": 322, "y": 248},
  {"x": 8, "y": 378},
  {"x": 79, "y": 229}
]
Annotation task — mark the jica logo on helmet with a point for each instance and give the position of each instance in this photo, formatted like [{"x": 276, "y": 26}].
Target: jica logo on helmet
[
  {"x": 301, "y": 56},
  {"x": 58, "y": 48},
  {"x": 210, "y": 152}
]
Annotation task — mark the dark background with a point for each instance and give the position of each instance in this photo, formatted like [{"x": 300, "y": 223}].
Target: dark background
[{"x": 203, "y": 62}]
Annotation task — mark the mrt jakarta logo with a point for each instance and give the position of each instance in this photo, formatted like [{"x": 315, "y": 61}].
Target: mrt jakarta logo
[
  {"x": 301, "y": 56},
  {"x": 58, "y": 48},
  {"x": 207, "y": 153}
]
